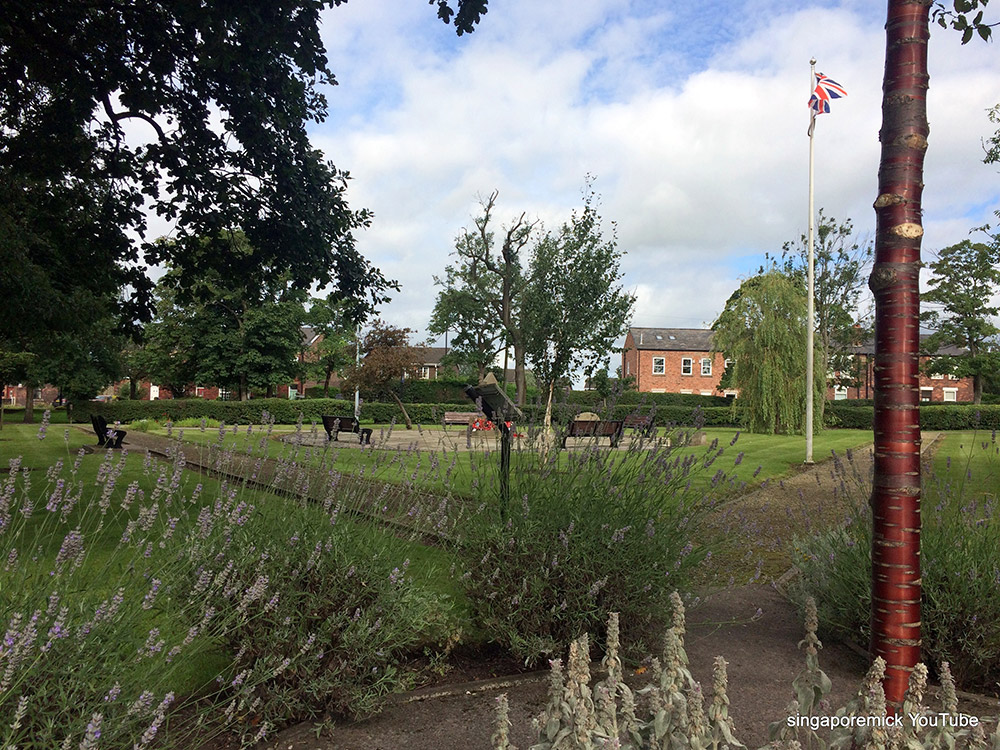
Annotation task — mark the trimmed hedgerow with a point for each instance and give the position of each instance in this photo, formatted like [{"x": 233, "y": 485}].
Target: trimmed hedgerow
[{"x": 932, "y": 416}]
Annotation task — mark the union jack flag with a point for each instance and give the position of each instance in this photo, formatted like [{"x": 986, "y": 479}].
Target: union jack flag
[{"x": 826, "y": 89}]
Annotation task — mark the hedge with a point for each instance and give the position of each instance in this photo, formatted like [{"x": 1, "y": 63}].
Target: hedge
[
  {"x": 283, "y": 411},
  {"x": 932, "y": 416},
  {"x": 837, "y": 413}
]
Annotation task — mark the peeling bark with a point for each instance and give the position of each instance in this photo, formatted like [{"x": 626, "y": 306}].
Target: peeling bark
[{"x": 895, "y": 499}]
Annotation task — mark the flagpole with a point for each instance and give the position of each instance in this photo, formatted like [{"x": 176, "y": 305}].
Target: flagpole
[{"x": 812, "y": 313}]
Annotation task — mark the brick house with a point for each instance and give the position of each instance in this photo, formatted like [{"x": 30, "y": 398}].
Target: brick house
[
  {"x": 680, "y": 360},
  {"x": 933, "y": 388},
  {"x": 16, "y": 395},
  {"x": 673, "y": 360},
  {"x": 430, "y": 365}
]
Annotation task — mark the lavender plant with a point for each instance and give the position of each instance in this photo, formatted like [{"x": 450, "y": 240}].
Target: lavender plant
[
  {"x": 131, "y": 588},
  {"x": 960, "y": 562},
  {"x": 586, "y": 533}
]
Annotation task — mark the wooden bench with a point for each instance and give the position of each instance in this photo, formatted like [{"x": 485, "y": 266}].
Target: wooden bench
[
  {"x": 643, "y": 423},
  {"x": 458, "y": 417},
  {"x": 334, "y": 425},
  {"x": 595, "y": 428},
  {"x": 106, "y": 438}
]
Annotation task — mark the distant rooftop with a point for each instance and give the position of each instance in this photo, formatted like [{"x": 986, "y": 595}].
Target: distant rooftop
[{"x": 673, "y": 339}]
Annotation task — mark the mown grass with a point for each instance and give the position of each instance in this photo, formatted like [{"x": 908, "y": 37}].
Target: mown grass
[{"x": 750, "y": 459}]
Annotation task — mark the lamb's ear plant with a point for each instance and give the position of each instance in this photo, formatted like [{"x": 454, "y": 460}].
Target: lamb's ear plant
[{"x": 677, "y": 719}]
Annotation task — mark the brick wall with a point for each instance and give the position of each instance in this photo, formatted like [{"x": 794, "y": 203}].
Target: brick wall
[
  {"x": 673, "y": 379},
  {"x": 932, "y": 388}
]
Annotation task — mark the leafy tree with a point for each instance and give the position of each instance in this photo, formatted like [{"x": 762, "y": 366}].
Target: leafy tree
[
  {"x": 992, "y": 144},
  {"x": 574, "y": 306},
  {"x": 762, "y": 330},
  {"x": 75, "y": 186},
  {"x": 894, "y": 283},
  {"x": 336, "y": 348},
  {"x": 840, "y": 261},
  {"x": 463, "y": 309},
  {"x": 242, "y": 333},
  {"x": 965, "y": 277},
  {"x": 482, "y": 293},
  {"x": 387, "y": 360},
  {"x": 168, "y": 355}
]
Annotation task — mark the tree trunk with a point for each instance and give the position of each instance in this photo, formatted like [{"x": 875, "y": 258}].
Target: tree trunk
[
  {"x": 244, "y": 392},
  {"x": 895, "y": 501},
  {"x": 326, "y": 384},
  {"x": 406, "y": 417},
  {"x": 133, "y": 389},
  {"x": 520, "y": 381},
  {"x": 269, "y": 393},
  {"x": 29, "y": 403},
  {"x": 977, "y": 388}
]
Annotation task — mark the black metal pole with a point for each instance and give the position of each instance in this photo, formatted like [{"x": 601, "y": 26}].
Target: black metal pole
[{"x": 504, "y": 468}]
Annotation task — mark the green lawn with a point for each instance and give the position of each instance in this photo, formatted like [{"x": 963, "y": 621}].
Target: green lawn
[
  {"x": 968, "y": 461},
  {"x": 457, "y": 472}
]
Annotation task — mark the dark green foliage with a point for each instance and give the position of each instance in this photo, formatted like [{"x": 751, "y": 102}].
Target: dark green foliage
[
  {"x": 932, "y": 416},
  {"x": 574, "y": 307}
]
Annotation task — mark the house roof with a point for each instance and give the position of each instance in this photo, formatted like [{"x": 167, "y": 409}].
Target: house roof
[
  {"x": 672, "y": 339},
  {"x": 309, "y": 335},
  {"x": 868, "y": 347},
  {"x": 432, "y": 355}
]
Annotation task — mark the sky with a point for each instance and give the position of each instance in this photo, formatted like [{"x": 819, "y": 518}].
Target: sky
[{"x": 692, "y": 120}]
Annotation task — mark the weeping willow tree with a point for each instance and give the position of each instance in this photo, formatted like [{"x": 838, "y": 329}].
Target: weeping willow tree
[{"x": 762, "y": 332}]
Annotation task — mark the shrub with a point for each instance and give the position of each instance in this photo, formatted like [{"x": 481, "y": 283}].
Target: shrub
[
  {"x": 960, "y": 574},
  {"x": 127, "y": 592},
  {"x": 607, "y": 532}
]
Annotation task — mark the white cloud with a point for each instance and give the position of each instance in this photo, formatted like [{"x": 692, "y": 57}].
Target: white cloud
[{"x": 693, "y": 122}]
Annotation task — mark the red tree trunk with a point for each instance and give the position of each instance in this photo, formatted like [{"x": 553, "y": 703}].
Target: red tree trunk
[{"x": 895, "y": 497}]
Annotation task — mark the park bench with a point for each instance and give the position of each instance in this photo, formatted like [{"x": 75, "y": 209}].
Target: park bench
[
  {"x": 458, "y": 417},
  {"x": 335, "y": 425},
  {"x": 106, "y": 438},
  {"x": 642, "y": 423},
  {"x": 595, "y": 428}
]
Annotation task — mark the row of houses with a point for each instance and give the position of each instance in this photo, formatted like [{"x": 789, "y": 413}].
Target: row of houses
[
  {"x": 681, "y": 360},
  {"x": 430, "y": 369},
  {"x": 660, "y": 360}
]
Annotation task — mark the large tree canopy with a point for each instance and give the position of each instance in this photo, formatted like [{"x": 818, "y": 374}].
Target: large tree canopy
[{"x": 194, "y": 109}]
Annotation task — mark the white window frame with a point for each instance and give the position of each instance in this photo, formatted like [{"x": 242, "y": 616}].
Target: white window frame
[
  {"x": 706, "y": 367},
  {"x": 840, "y": 393},
  {"x": 687, "y": 363},
  {"x": 953, "y": 393},
  {"x": 926, "y": 395},
  {"x": 425, "y": 372},
  {"x": 706, "y": 393},
  {"x": 937, "y": 376},
  {"x": 662, "y": 362},
  {"x": 686, "y": 392}
]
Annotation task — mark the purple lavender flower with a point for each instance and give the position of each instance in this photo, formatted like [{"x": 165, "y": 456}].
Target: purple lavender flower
[{"x": 44, "y": 425}]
